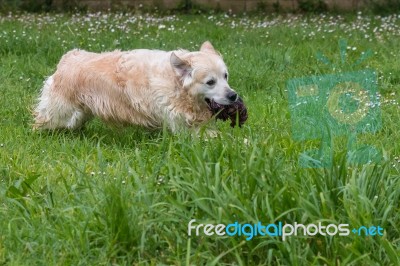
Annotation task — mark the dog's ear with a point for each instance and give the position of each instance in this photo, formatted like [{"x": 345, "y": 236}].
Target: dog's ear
[
  {"x": 208, "y": 48},
  {"x": 181, "y": 67}
]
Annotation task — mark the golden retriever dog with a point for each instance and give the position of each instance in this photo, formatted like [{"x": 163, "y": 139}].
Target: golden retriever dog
[{"x": 150, "y": 88}]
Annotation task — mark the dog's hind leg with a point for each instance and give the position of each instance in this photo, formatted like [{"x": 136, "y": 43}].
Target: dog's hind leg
[
  {"x": 78, "y": 119},
  {"x": 54, "y": 111}
]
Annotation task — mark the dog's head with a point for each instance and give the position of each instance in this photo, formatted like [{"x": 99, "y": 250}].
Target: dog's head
[{"x": 204, "y": 74}]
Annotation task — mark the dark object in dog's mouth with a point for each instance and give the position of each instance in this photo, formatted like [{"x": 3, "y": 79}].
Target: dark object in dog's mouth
[{"x": 230, "y": 111}]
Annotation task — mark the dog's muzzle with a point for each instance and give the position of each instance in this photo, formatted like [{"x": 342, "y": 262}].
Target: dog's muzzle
[{"x": 232, "y": 96}]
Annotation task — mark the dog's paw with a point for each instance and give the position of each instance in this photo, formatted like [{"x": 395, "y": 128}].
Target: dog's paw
[
  {"x": 205, "y": 133},
  {"x": 211, "y": 133}
]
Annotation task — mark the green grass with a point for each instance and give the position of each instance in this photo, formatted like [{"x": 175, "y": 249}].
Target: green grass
[{"x": 106, "y": 195}]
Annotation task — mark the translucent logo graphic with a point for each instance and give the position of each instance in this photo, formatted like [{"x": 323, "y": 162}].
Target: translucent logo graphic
[{"x": 340, "y": 104}]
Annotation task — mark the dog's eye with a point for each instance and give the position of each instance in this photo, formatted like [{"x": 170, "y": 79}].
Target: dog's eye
[
  {"x": 226, "y": 76},
  {"x": 210, "y": 82}
]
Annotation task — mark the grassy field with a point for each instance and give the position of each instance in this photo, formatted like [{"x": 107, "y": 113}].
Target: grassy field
[{"x": 104, "y": 195}]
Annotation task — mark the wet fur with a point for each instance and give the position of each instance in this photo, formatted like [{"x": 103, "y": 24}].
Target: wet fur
[{"x": 138, "y": 87}]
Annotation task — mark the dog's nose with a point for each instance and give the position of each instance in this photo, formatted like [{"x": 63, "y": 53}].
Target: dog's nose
[{"x": 232, "y": 96}]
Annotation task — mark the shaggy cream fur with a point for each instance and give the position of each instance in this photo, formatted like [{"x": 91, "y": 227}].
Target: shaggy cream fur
[{"x": 139, "y": 87}]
